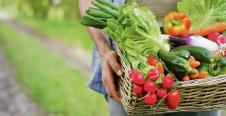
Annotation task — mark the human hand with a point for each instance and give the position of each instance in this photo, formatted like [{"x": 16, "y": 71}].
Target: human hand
[
  {"x": 110, "y": 65},
  {"x": 109, "y": 62}
]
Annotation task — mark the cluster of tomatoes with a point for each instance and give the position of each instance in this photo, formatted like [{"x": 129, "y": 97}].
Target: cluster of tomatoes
[{"x": 155, "y": 85}]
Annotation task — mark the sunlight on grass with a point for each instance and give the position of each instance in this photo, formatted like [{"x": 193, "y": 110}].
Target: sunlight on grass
[
  {"x": 57, "y": 87},
  {"x": 70, "y": 32}
]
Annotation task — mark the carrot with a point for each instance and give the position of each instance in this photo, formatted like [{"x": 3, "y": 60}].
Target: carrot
[
  {"x": 186, "y": 78},
  {"x": 194, "y": 64},
  {"x": 192, "y": 58},
  {"x": 202, "y": 75},
  {"x": 194, "y": 76},
  {"x": 216, "y": 27},
  {"x": 160, "y": 67}
]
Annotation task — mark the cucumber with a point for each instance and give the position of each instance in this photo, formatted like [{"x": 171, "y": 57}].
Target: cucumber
[
  {"x": 183, "y": 53},
  {"x": 178, "y": 65},
  {"x": 200, "y": 53}
]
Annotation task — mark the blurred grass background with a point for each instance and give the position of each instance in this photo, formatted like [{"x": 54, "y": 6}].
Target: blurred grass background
[
  {"x": 57, "y": 87},
  {"x": 70, "y": 32},
  {"x": 59, "y": 19}
]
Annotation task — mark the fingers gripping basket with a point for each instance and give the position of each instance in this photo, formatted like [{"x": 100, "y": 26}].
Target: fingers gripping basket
[{"x": 195, "y": 95}]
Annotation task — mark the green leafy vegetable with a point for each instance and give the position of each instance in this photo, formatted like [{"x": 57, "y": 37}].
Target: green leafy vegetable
[
  {"x": 218, "y": 66},
  {"x": 136, "y": 31},
  {"x": 203, "y": 12}
]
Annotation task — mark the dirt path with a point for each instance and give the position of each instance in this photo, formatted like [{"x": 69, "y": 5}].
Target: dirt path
[
  {"x": 13, "y": 100},
  {"x": 75, "y": 57}
]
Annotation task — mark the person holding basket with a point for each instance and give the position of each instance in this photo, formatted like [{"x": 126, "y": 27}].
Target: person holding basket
[{"x": 105, "y": 65}]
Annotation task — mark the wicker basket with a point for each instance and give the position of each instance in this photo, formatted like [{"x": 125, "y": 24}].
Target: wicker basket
[{"x": 196, "y": 95}]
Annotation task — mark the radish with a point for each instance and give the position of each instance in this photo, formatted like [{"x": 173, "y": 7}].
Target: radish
[
  {"x": 167, "y": 82},
  {"x": 133, "y": 73},
  {"x": 173, "y": 99},
  {"x": 221, "y": 40},
  {"x": 161, "y": 93},
  {"x": 150, "y": 86},
  {"x": 138, "y": 79},
  {"x": 150, "y": 99},
  {"x": 152, "y": 61},
  {"x": 213, "y": 36},
  {"x": 153, "y": 74},
  {"x": 138, "y": 90}
]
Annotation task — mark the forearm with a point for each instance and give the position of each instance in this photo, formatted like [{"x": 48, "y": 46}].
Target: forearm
[{"x": 97, "y": 35}]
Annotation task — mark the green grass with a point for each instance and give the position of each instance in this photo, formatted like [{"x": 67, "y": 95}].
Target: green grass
[
  {"x": 70, "y": 32},
  {"x": 54, "y": 85}
]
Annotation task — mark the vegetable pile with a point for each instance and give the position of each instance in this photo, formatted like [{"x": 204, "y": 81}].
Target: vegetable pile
[
  {"x": 207, "y": 16},
  {"x": 159, "y": 60}
]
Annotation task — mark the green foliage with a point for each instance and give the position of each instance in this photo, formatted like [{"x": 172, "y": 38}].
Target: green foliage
[
  {"x": 70, "y": 32},
  {"x": 62, "y": 9},
  {"x": 136, "y": 26},
  {"x": 4, "y": 2},
  {"x": 56, "y": 86}
]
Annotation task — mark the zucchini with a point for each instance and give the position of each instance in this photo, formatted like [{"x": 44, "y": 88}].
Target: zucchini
[
  {"x": 200, "y": 53},
  {"x": 183, "y": 53},
  {"x": 175, "y": 64}
]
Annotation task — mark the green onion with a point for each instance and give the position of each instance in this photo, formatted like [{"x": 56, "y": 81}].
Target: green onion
[
  {"x": 109, "y": 4},
  {"x": 106, "y": 8},
  {"x": 93, "y": 22},
  {"x": 98, "y": 13}
]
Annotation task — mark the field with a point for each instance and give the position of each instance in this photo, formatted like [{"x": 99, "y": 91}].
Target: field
[
  {"x": 70, "y": 32},
  {"x": 58, "y": 88}
]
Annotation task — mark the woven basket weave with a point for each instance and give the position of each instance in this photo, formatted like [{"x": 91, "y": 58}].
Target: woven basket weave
[{"x": 195, "y": 95}]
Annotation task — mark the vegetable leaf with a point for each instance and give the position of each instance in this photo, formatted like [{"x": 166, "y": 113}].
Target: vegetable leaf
[
  {"x": 137, "y": 32},
  {"x": 203, "y": 12}
]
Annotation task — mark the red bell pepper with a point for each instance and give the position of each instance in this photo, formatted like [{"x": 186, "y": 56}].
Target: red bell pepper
[{"x": 177, "y": 24}]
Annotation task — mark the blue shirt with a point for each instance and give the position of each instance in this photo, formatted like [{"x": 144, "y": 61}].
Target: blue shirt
[{"x": 96, "y": 81}]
